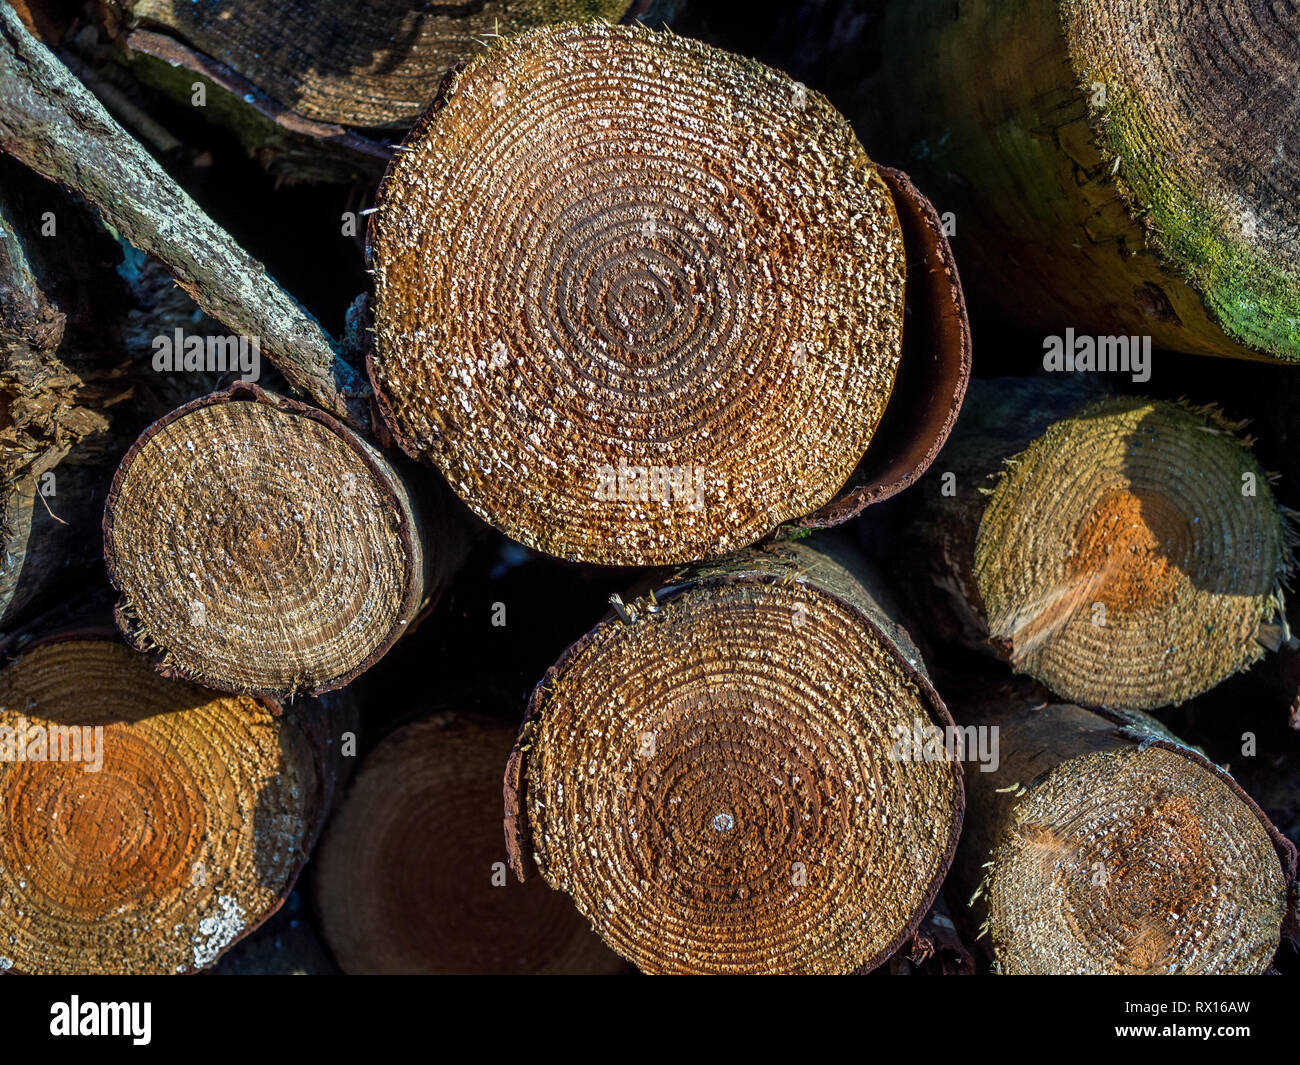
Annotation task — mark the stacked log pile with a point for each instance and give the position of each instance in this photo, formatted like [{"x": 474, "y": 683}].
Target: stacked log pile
[{"x": 900, "y": 669}]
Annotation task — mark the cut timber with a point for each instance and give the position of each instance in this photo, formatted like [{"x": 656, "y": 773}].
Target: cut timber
[
  {"x": 1121, "y": 562},
  {"x": 1115, "y": 849},
  {"x": 412, "y": 875},
  {"x": 1000, "y": 417},
  {"x": 293, "y": 149},
  {"x": 262, "y": 547},
  {"x": 1131, "y": 556},
  {"x": 167, "y": 836},
  {"x": 1117, "y": 166},
  {"x": 639, "y": 299},
  {"x": 351, "y": 63},
  {"x": 932, "y": 373},
  {"x": 714, "y": 780}
]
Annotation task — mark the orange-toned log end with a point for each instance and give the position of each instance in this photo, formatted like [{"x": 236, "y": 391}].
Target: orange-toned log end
[
  {"x": 1133, "y": 556},
  {"x": 716, "y": 784},
  {"x": 261, "y": 547},
  {"x": 639, "y": 299},
  {"x": 149, "y": 824},
  {"x": 1135, "y": 861},
  {"x": 412, "y": 875}
]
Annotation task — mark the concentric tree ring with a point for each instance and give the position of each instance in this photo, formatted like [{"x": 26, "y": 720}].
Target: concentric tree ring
[
  {"x": 1102, "y": 844},
  {"x": 638, "y": 299},
  {"x": 162, "y": 824},
  {"x": 412, "y": 874},
  {"x": 1130, "y": 555},
  {"x": 1133, "y": 863},
  {"x": 261, "y": 546},
  {"x": 717, "y": 784}
]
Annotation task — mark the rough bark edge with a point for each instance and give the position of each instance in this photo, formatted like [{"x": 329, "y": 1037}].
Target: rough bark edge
[
  {"x": 518, "y": 829},
  {"x": 932, "y": 374},
  {"x": 51, "y": 123},
  {"x": 410, "y": 536},
  {"x": 332, "y": 773}
]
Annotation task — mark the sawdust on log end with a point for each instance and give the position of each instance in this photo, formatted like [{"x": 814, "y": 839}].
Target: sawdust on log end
[
  {"x": 154, "y": 844},
  {"x": 720, "y": 785}
]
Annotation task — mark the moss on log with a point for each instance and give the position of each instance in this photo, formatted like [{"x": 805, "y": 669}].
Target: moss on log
[{"x": 1119, "y": 167}]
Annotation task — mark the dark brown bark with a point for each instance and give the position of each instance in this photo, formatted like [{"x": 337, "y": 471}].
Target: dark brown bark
[
  {"x": 932, "y": 376},
  {"x": 63, "y": 389}
]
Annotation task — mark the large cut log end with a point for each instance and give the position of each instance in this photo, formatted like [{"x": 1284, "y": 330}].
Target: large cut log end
[
  {"x": 1133, "y": 555},
  {"x": 639, "y": 299},
  {"x": 716, "y": 781}
]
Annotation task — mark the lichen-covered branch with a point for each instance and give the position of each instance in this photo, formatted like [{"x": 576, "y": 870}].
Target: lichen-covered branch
[{"x": 50, "y": 122}]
